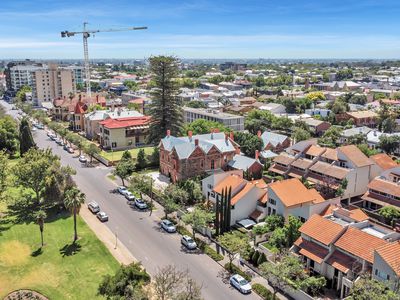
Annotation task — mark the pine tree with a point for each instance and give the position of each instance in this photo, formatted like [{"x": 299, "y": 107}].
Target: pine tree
[
  {"x": 25, "y": 137},
  {"x": 166, "y": 108},
  {"x": 141, "y": 161}
]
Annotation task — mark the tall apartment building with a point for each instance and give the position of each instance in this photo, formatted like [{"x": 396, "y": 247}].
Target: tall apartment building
[
  {"x": 233, "y": 122},
  {"x": 79, "y": 73},
  {"x": 48, "y": 81}
]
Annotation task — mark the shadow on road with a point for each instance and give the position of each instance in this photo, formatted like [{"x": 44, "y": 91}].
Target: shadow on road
[
  {"x": 194, "y": 251},
  {"x": 70, "y": 249}
]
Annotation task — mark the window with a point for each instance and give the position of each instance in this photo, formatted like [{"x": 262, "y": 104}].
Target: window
[
  {"x": 212, "y": 164},
  {"x": 272, "y": 201},
  {"x": 114, "y": 145}
]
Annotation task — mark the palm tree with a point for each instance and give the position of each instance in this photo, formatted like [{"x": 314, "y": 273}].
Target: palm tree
[
  {"x": 40, "y": 217},
  {"x": 74, "y": 199}
]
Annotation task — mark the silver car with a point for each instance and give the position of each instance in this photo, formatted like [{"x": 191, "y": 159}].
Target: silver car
[
  {"x": 241, "y": 284},
  {"x": 94, "y": 207},
  {"x": 129, "y": 196},
  {"x": 139, "y": 203},
  {"x": 168, "y": 226},
  {"x": 102, "y": 216},
  {"x": 188, "y": 242}
]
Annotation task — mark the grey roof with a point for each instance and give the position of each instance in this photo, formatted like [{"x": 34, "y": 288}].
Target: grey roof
[
  {"x": 268, "y": 154},
  {"x": 356, "y": 130},
  {"x": 273, "y": 138},
  {"x": 184, "y": 146},
  {"x": 241, "y": 162}
]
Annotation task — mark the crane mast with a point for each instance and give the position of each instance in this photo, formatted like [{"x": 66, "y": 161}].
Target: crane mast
[{"x": 85, "y": 35}]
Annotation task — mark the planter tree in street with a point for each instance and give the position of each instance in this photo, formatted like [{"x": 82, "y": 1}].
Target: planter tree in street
[
  {"x": 198, "y": 218},
  {"x": 40, "y": 216},
  {"x": 125, "y": 167},
  {"x": 73, "y": 201},
  {"x": 92, "y": 150},
  {"x": 170, "y": 206},
  {"x": 166, "y": 108}
]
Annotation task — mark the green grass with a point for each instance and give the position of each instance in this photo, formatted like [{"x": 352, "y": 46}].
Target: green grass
[
  {"x": 55, "y": 271},
  {"x": 116, "y": 155}
]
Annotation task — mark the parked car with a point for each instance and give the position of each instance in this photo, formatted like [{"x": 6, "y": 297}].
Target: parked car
[
  {"x": 102, "y": 216},
  {"x": 188, "y": 242},
  {"x": 129, "y": 196},
  {"x": 57, "y": 140},
  {"x": 70, "y": 150},
  {"x": 122, "y": 190},
  {"x": 65, "y": 147},
  {"x": 94, "y": 207},
  {"x": 241, "y": 284},
  {"x": 34, "y": 129},
  {"x": 139, "y": 203},
  {"x": 39, "y": 126},
  {"x": 168, "y": 226},
  {"x": 62, "y": 143},
  {"x": 82, "y": 159}
]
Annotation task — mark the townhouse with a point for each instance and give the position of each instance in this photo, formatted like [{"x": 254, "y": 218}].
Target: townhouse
[
  {"x": 274, "y": 141},
  {"x": 327, "y": 169},
  {"x": 342, "y": 244},
  {"x": 185, "y": 157}
]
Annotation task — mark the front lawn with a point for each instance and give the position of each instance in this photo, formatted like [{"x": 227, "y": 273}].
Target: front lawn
[
  {"x": 60, "y": 270},
  {"x": 116, "y": 155}
]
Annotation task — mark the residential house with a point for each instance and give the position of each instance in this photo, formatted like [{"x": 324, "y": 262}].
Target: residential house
[
  {"x": 373, "y": 140},
  {"x": 124, "y": 133},
  {"x": 317, "y": 127},
  {"x": 347, "y": 134},
  {"x": 342, "y": 245},
  {"x": 383, "y": 161},
  {"x": 360, "y": 118},
  {"x": 274, "y": 141},
  {"x": 323, "y": 112},
  {"x": 185, "y": 157},
  {"x": 251, "y": 167},
  {"x": 274, "y": 108}
]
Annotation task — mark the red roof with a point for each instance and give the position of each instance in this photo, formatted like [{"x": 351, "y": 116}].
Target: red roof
[
  {"x": 80, "y": 108},
  {"x": 125, "y": 122}
]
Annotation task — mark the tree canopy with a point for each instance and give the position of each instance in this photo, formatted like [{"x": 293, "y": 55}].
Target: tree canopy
[{"x": 201, "y": 126}]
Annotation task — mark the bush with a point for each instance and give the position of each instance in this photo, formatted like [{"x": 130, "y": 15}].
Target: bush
[
  {"x": 237, "y": 270},
  {"x": 182, "y": 230},
  {"x": 263, "y": 292},
  {"x": 255, "y": 257},
  {"x": 261, "y": 259},
  {"x": 212, "y": 253}
]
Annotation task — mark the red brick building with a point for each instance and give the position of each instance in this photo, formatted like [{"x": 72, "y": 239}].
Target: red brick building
[{"x": 192, "y": 155}]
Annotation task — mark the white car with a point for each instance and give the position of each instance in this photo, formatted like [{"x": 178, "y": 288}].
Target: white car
[
  {"x": 188, "y": 242},
  {"x": 34, "y": 129},
  {"x": 82, "y": 159},
  {"x": 168, "y": 226},
  {"x": 241, "y": 284},
  {"x": 94, "y": 207},
  {"x": 102, "y": 216},
  {"x": 122, "y": 190},
  {"x": 139, "y": 203},
  {"x": 129, "y": 196}
]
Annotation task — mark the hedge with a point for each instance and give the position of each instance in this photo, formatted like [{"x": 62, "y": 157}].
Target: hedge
[
  {"x": 263, "y": 292},
  {"x": 212, "y": 253},
  {"x": 237, "y": 270}
]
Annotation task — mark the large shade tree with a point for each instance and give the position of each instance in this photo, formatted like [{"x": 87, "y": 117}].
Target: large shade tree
[{"x": 166, "y": 109}]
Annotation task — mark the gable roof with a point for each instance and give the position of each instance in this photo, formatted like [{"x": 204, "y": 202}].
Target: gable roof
[
  {"x": 355, "y": 214},
  {"x": 385, "y": 186},
  {"x": 356, "y": 156},
  {"x": 315, "y": 150},
  {"x": 384, "y": 161},
  {"x": 321, "y": 229},
  {"x": 247, "y": 188},
  {"x": 269, "y": 137},
  {"x": 125, "y": 122},
  {"x": 242, "y": 162},
  {"x": 359, "y": 243},
  {"x": 232, "y": 181},
  {"x": 341, "y": 261},
  {"x": 390, "y": 253},
  {"x": 329, "y": 170},
  {"x": 292, "y": 192},
  {"x": 311, "y": 250}
]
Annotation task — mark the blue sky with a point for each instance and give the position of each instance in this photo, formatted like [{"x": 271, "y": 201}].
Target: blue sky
[{"x": 203, "y": 28}]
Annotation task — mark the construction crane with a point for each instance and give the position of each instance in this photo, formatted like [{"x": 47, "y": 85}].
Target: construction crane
[{"x": 86, "y": 34}]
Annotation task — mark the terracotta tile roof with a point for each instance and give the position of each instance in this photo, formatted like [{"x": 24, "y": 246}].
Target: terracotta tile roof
[
  {"x": 292, "y": 192},
  {"x": 341, "y": 261},
  {"x": 385, "y": 186},
  {"x": 125, "y": 122},
  {"x": 311, "y": 250},
  {"x": 255, "y": 214},
  {"x": 380, "y": 200},
  {"x": 384, "y": 161},
  {"x": 302, "y": 163},
  {"x": 248, "y": 187},
  {"x": 355, "y": 155},
  {"x": 321, "y": 229},
  {"x": 260, "y": 183},
  {"x": 284, "y": 159},
  {"x": 330, "y": 154},
  {"x": 359, "y": 243},
  {"x": 363, "y": 114},
  {"x": 390, "y": 253},
  {"x": 80, "y": 108},
  {"x": 232, "y": 181},
  {"x": 355, "y": 214},
  {"x": 315, "y": 150},
  {"x": 264, "y": 199},
  {"x": 329, "y": 170}
]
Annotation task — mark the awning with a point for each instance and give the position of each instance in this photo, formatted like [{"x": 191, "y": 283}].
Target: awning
[{"x": 246, "y": 223}]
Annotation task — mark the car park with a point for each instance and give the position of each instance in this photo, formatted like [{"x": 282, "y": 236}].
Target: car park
[
  {"x": 94, "y": 207},
  {"x": 102, "y": 216},
  {"x": 129, "y": 196},
  {"x": 188, "y": 242},
  {"x": 241, "y": 284},
  {"x": 82, "y": 159},
  {"x": 168, "y": 226},
  {"x": 122, "y": 190},
  {"x": 139, "y": 203}
]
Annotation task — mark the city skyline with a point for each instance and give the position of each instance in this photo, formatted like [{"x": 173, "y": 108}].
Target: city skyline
[{"x": 203, "y": 29}]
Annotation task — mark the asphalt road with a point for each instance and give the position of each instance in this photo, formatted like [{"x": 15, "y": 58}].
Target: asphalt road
[{"x": 139, "y": 232}]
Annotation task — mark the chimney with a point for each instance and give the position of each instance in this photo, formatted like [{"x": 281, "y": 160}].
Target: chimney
[
  {"x": 237, "y": 151},
  {"x": 259, "y": 134},
  {"x": 168, "y": 133},
  {"x": 97, "y": 98},
  {"x": 190, "y": 134},
  {"x": 231, "y": 136},
  {"x": 257, "y": 154},
  {"x": 196, "y": 142}
]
